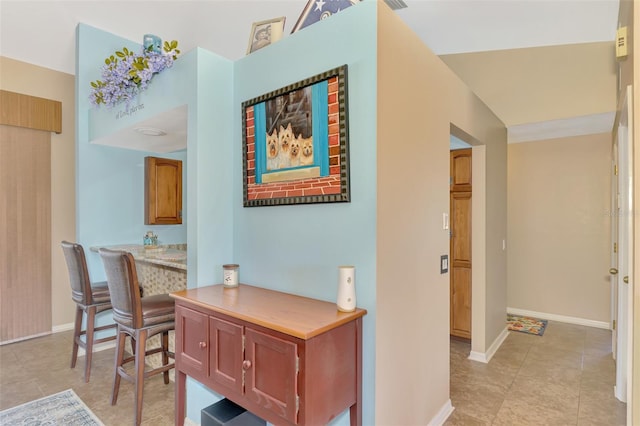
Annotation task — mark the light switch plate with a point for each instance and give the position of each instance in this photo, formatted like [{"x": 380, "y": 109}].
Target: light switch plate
[{"x": 444, "y": 264}]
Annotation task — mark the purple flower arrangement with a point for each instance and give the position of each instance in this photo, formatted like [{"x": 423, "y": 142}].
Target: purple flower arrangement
[{"x": 125, "y": 74}]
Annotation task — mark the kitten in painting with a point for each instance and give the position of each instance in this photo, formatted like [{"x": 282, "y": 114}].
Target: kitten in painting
[
  {"x": 306, "y": 150},
  {"x": 285, "y": 137},
  {"x": 272, "y": 150},
  {"x": 294, "y": 152}
]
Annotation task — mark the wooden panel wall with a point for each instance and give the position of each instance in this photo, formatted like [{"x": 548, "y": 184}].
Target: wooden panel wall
[
  {"x": 25, "y": 232},
  {"x": 30, "y": 112}
]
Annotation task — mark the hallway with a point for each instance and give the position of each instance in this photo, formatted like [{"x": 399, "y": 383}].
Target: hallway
[{"x": 565, "y": 377}]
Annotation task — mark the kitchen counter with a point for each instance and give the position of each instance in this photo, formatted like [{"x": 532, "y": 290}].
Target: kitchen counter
[{"x": 169, "y": 255}]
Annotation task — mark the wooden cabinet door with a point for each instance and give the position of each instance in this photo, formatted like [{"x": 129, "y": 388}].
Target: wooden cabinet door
[
  {"x": 460, "y": 169},
  {"x": 271, "y": 373},
  {"x": 461, "y": 264},
  {"x": 226, "y": 354},
  {"x": 460, "y": 244},
  {"x": 163, "y": 191},
  {"x": 191, "y": 340}
]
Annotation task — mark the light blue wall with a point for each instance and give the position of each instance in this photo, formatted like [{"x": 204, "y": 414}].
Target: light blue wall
[
  {"x": 291, "y": 248},
  {"x": 298, "y": 248},
  {"x": 110, "y": 181}
]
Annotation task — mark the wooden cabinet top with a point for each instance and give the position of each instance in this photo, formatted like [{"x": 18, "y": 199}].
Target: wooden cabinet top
[{"x": 296, "y": 316}]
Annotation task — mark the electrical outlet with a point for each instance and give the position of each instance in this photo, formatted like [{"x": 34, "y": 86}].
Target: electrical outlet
[{"x": 444, "y": 264}]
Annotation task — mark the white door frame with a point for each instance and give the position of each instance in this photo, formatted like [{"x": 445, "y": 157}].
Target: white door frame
[{"x": 625, "y": 282}]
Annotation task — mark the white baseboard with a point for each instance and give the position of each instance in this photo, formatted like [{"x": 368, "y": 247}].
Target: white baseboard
[
  {"x": 486, "y": 356},
  {"x": 560, "y": 318},
  {"x": 442, "y": 415},
  {"x": 62, "y": 327},
  {"x": 189, "y": 422}
]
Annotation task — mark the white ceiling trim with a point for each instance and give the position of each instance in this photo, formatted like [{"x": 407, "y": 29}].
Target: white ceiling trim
[{"x": 552, "y": 129}]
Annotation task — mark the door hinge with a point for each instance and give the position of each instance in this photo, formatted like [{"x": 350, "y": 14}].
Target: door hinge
[
  {"x": 614, "y": 324},
  {"x": 297, "y": 404},
  {"x": 615, "y": 247},
  {"x": 297, "y": 364},
  {"x": 615, "y": 170}
]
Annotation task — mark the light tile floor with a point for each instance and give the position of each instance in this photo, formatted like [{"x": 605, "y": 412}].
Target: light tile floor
[
  {"x": 39, "y": 367},
  {"x": 565, "y": 377}
]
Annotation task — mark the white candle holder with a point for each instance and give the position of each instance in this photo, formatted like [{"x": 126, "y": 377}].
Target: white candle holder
[{"x": 346, "y": 289}]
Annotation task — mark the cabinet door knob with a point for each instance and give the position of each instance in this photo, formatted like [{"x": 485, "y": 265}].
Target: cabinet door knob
[
  {"x": 203, "y": 345},
  {"x": 246, "y": 364}
]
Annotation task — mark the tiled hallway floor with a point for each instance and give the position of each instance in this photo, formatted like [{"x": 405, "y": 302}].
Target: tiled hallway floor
[
  {"x": 565, "y": 377},
  {"x": 39, "y": 367}
]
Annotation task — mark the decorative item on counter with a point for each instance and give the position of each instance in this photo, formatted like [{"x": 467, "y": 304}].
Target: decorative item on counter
[
  {"x": 346, "y": 288},
  {"x": 230, "y": 275},
  {"x": 150, "y": 240},
  {"x": 125, "y": 74}
]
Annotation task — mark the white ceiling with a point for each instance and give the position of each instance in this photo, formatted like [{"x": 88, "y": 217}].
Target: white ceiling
[{"x": 43, "y": 32}]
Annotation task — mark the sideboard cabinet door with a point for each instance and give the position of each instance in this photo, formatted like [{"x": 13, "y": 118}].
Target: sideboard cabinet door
[
  {"x": 192, "y": 342},
  {"x": 271, "y": 373},
  {"x": 225, "y": 356}
]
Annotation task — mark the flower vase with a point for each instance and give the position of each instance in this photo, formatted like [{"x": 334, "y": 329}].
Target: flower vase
[{"x": 152, "y": 43}]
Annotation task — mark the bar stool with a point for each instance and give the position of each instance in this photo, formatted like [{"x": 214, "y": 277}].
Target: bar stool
[
  {"x": 140, "y": 318},
  {"x": 90, "y": 300}
]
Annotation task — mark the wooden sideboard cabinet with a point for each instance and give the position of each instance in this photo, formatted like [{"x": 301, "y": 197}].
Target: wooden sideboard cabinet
[
  {"x": 162, "y": 191},
  {"x": 288, "y": 359}
]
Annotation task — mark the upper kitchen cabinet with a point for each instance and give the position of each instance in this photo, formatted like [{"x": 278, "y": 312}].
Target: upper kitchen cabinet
[{"x": 162, "y": 191}]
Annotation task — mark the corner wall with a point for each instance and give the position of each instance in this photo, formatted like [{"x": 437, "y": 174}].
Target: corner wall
[
  {"x": 21, "y": 77},
  {"x": 110, "y": 180},
  {"x": 419, "y": 98},
  {"x": 298, "y": 248},
  {"x": 559, "y": 227}
]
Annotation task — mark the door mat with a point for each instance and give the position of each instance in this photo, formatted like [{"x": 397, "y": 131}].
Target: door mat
[
  {"x": 527, "y": 325},
  {"x": 63, "y": 408}
]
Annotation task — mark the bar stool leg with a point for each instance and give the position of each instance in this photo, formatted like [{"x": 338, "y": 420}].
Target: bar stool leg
[
  {"x": 77, "y": 329},
  {"x": 141, "y": 341},
  {"x": 119, "y": 357},
  {"x": 165, "y": 355},
  {"x": 91, "y": 318}
]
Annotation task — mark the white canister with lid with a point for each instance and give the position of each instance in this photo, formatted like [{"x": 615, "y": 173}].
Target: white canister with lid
[{"x": 230, "y": 275}]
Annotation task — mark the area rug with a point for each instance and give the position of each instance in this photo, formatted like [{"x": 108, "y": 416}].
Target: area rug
[
  {"x": 63, "y": 408},
  {"x": 526, "y": 324}
]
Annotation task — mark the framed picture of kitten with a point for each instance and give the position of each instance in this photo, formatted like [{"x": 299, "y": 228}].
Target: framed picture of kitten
[{"x": 295, "y": 143}]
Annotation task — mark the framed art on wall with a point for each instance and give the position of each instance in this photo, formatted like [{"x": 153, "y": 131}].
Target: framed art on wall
[
  {"x": 316, "y": 11},
  {"x": 295, "y": 143},
  {"x": 264, "y": 33}
]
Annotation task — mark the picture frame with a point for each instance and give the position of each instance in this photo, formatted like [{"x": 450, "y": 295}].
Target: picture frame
[
  {"x": 313, "y": 12},
  {"x": 295, "y": 143},
  {"x": 265, "y": 33}
]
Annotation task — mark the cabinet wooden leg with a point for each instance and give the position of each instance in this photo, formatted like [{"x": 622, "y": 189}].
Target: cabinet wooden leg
[{"x": 180, "y": 397}]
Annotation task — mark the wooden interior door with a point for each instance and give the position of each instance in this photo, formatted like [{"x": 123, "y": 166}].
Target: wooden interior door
[
  {"x": 460, "y": 243},
  {"x": 25, "y": 233}
]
